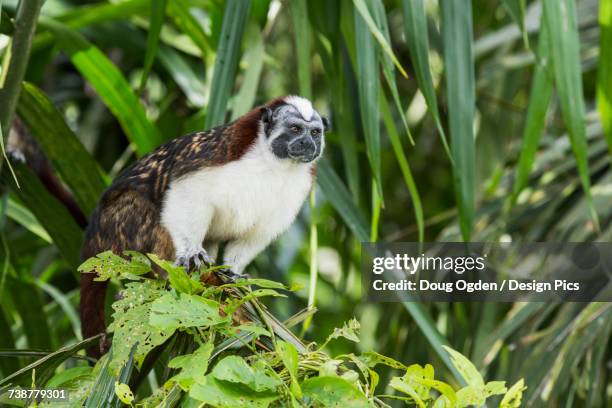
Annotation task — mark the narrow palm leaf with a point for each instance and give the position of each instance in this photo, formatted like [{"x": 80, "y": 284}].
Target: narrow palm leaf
[
  {"x": 380, "y": 17},
  {"x": 539, "y": 99},
  {"x": 369, "y": 89},
  {"x": 111, "y": 86},
  {"x": 45, "y": 367},
  {"x": 516, "y": 8},
  {"x": 341, "y": 200},
  {"x": 228, "y": 53},
  {"x": 84, "y": 16},
  {"x": 51, "y": 214},
  {"x": 604, "y": 69},
  {"x": 158, "y": 11},
  {"x": 415, "y": 26},
  {"x": 400, "y": 156},
  {"x": 254, "y": 61},
  {"x": 59, "y": 143},
  {"x": 362, "y": 8},
  {"x": 303, "y": 44},
  {"x": 178, "y": 10},
  {"x": 560, "y": 17},
  {"x": 456, "y": 25}
]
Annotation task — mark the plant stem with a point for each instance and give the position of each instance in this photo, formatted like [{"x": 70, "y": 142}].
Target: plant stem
[{"x": 25, "y": 27}]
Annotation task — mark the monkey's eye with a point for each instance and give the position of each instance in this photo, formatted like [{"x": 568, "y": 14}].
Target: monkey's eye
[
  {"x": 295, "y": 129},
  {"x": 315, "y": 132}
]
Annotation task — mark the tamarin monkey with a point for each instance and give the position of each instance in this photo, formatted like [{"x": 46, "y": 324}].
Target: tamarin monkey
[{"x": 241, "y": 184}]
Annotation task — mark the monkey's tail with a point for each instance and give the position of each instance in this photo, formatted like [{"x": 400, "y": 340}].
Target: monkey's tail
[{"x": 93, "y": 296}]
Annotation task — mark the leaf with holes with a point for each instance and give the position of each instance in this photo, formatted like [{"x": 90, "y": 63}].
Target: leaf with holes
[
  {"x": 170, "y": 312},
  {"x": 109, "y": 265},
  {"x": 131, "y": 322}
]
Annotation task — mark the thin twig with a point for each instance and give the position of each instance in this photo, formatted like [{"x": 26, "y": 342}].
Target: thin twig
[{"x": 25, "y": 27}]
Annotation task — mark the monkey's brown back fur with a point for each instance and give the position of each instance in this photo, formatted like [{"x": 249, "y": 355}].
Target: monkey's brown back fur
[{"x": 128, "y": 214}]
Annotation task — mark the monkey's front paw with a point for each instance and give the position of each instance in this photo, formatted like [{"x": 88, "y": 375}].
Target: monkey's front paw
[{"x": 193, "y": 260}]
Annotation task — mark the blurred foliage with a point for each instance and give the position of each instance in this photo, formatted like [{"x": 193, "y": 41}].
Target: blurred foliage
[{"x": 520, "y": 89}]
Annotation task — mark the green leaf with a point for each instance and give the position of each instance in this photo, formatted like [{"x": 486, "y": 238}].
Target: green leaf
[
  {"x": 362, "y": 8},
  {"x": 388, "y": 71},
  {"x": 262, "y": 283},
  {"x": 341, "y": 200},
  {"x": 108, "y": 265},
  {"x": 103, "y": 390},
  {"x": 334, "y": 392},
  {"x": 234, "y": 21},
  {"x": 170, "y": 312},
  {"x": 110, "y": 85},
  {"x": 75, "y": 165},
  {"x": 178, "y": 277},
  {"x": 178, "y": 10},
  {"x": 124, "y": 393},
  {"x": 303, "y": 45},
  {"x": 46, "y": 366},
  {"x": 495, "y": 388},
  {"x": 604, "y": 70},
  {"x": 52, "y": 215},
  {"x": 223, "y": 394},
  {"x": 23, "y": 216},
  {"x": 415, "y": 27},
  {"x": 372, "y": 359},
  {"x": 290, "y": 358},
  {"x": 234, "y": 369},
  {"x": 369, "y": 90},
  {"x": 349, "y": 330},
  {"x": 131, "y": 322},
  {"x": 539, "y": 99},
  {"x": 184, "y": 75},
  {"x": 560, "y": 17},
  {"x": 79, "y": 17},
  {"x": 193, "y": 367},
  {"x": 398, "y": 149},
  {"x": 513, "y": 397},
  {"x": 253, "y": 60},
  {"x": 69, "y": 376},
  {"x": 516, "y": 8},
  {"x": 426, "y": 324},
  {"x": 456, "y": 23},
  {"x": 399, "y": 384},
  {"x": 465, "y": 367},
  {"x": 158, "y": 11},
  {"x": 7, "y": 342}
]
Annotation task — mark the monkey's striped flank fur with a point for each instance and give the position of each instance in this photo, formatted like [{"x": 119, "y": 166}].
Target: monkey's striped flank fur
[{"x": 241, "y": 184}]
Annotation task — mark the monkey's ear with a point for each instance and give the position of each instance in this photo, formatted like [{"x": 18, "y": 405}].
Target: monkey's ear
[
  {"x": 266, "y": 114},
  {"x": 326, "y": 123}
]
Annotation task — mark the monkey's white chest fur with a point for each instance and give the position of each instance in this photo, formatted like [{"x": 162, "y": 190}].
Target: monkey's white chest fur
[{"x": 247, "y": 202}]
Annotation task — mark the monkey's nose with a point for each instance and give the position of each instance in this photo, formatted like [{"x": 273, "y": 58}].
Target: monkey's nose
[{"x": 302, "y": 147}]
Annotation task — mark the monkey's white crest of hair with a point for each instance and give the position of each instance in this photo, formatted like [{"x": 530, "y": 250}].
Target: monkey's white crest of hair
[{"x": 303, "y": 105}]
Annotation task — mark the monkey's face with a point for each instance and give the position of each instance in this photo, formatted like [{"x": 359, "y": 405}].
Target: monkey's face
[{"x": 292, "y": 136}]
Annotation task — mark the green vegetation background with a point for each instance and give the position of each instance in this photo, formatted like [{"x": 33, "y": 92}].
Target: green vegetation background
[{"x": 520, "y": 90}]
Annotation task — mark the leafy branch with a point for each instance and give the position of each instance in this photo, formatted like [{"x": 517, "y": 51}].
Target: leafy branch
[{"x": 224, "y": 349}]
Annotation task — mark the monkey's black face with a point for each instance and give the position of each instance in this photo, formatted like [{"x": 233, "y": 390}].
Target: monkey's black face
[{"x": 291, "y": 136}]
